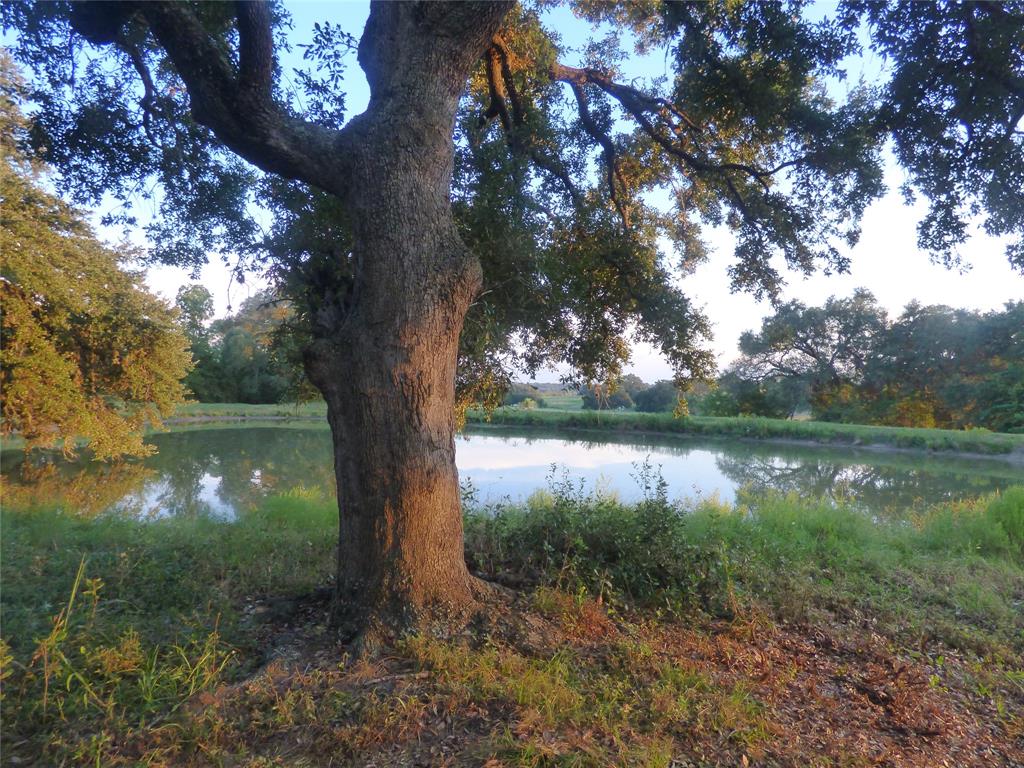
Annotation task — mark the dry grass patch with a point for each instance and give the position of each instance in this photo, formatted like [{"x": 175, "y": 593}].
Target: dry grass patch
[{"x": 643, "y": 693}]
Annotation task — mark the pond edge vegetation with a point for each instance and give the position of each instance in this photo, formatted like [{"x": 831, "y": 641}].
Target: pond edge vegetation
[{"x": 975, "y": 441}]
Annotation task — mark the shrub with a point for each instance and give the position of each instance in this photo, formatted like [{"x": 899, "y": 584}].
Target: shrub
[{"x": 1007, "y": 510}]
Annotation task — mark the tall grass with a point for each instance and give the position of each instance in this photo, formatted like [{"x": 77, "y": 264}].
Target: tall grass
[
  {"x": 111, "y": 624},
  {"x": 316, "y": 409},
  {"x": 953, "y": 573}
]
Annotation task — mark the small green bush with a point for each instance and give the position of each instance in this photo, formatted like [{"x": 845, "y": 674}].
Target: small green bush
[{"x": 1007, "y": 510}]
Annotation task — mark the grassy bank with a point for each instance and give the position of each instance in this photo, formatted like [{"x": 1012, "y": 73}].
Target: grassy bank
[
  {"x": 782, "y": 631},
  {"x": 978, "y": 441},
  {"x": 213, "y": 411},
  {"x": 971, "y": 441}
]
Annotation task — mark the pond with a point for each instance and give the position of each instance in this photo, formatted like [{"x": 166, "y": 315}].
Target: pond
[{"x": 223, "y": 470}]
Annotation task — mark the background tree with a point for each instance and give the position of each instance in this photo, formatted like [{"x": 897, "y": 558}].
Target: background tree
[
  {"x": 605, "y": 397},
  {"x": 632, "y": 385},
  {"x": 616, "y": 394},
  {"x": 494, "y": 206},
  {"x": 87, "y": 351},
  {"x": 247, "y": 357},
  {"x": 195, "y": 309},
  {"x": 253, "y": 364},
  {"x": 517, "y": 393},
  {"x": 662, "y": 396},
  {"x": 776, "y": 397},
  {"x": 933, "y": 366},
  {"x": 828, "y": 347},
  {"x": 945, "y": 367},
  {"x": 997, "y": 400}
]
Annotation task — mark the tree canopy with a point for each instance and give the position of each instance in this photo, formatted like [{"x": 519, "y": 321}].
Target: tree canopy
[
  {"x": 932, "y": 366},
  {"x": 822, "y": 345},
  {"x": 662, "y": 396},
  {"x": 248, "y": 357},
  {"x": 566, "y": 178},
  {"x": 87, "y": 351}
]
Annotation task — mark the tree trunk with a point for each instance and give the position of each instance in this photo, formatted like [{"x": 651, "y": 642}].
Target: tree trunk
[{"x": 386, "y": 361}]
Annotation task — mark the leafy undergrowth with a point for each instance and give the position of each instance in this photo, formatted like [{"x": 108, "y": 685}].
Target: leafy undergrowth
[{"x": 787, "y": 633}]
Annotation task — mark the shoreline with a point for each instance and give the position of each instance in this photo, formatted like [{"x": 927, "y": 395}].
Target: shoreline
[
  {"x": 1014, "y": 457},
  {"x": 626, "y": 426}
]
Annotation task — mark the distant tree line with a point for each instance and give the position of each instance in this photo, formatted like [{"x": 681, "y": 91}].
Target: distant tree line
[
  {"x": 631, "y": 391},
  {"x": 848, "y": 361},
  {"x": 845, "y": 361},
  {"x": 524, "y": 396},
  {"x": 932, "y": 366},
  {"x": 248, "y": 357}
]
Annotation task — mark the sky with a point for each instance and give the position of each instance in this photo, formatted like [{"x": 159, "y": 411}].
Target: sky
[{"x": 886, "y": 261}]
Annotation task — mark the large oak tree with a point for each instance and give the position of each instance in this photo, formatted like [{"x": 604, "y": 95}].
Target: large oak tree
[{"x": 495, "y": 206}]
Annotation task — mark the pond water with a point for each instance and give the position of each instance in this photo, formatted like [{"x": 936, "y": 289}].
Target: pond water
[{"x": 224, "y": 470}]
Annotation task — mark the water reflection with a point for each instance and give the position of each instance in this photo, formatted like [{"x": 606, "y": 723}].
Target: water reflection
[
  {"x": 87, "y": 489},
  {"x": 223, "y": 472},
  {"x": 892, "y": 483}
]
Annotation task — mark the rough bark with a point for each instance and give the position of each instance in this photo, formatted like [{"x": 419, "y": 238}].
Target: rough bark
[{"x": 385, "y": 359}]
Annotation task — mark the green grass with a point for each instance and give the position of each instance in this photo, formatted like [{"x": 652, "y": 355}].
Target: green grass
[
  {"x": 969, "y": 441},
  {"x": 111, "y": 624},
  {"x": 565, "y": 411},
  {"x": 312, "y": 410},
  {"x": 955, "y": 574},
  {"x": 563, "y": 401},
  {"x": 114, "y": 627},
  {"x": 161, "y": 573}
]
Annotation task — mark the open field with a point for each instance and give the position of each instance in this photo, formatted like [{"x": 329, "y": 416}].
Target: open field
[
  {"x": 562, "y": 401},
  {"x": 787, "y": 632},
  {"x": 200, "y": 411}
]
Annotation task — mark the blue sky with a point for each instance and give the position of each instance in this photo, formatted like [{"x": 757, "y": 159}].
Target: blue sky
[{"x": 886, "y": 261}]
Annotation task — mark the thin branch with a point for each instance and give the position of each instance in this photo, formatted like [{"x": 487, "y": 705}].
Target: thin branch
[
  {"x": 518, "y": 113},
  {"x": 641, "y": 106},
  {"x": 740, "y": 202},
  {"x": 560, "y": 173},
  {"x": 595, "y": 132},
  {"x": 148, "y": 102},
  {"x": 502, "y": 91}
]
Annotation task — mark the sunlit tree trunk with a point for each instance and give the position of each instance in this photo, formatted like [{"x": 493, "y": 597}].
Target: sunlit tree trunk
[{"x": 387, "y": 365}]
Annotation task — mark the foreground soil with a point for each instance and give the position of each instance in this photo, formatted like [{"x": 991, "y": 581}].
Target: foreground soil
[{"x": 548, "y": 679}]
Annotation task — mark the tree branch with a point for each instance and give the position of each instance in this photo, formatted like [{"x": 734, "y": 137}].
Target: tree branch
[
  {"x": 560, "y": 173},
  {"x": 148, "y": 102},
  {"x": 255, "y": 48},
  {"x": 237, "y": 107},
  {"x": 496, "y": 91},
  {"x": 502, "y": 91},
  {"x": 595, "y": 132},
  {"x": 518, "y": 113},
  {"x": 641, "y": 106}
]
